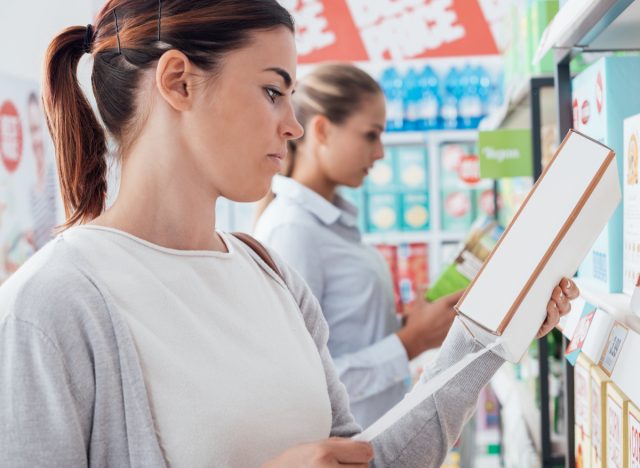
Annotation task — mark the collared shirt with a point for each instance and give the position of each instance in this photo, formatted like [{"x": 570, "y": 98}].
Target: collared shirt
[{"x": 354, "y": 287}]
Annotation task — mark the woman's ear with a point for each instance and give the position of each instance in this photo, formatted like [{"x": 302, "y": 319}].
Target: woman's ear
[
  {"x": 320, "y": 128},
  {"x": 174, "y": 79}
]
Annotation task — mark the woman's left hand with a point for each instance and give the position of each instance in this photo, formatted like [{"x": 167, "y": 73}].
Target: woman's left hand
[{"x": 558, "y": 305}]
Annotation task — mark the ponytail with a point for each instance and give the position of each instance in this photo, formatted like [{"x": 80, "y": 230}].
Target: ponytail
[{"x": 78, "y": 137}]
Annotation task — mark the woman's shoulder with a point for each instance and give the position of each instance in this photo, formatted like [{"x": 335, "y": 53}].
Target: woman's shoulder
[{"x": 51, "y": 291}]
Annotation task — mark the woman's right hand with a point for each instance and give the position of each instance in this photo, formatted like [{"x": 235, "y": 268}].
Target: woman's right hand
[{"x": 331, "y": 452}]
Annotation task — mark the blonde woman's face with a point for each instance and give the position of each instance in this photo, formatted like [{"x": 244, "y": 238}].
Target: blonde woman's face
[
  {"x": 352, "y": 148},
  {"x": 239, "y": 130}
]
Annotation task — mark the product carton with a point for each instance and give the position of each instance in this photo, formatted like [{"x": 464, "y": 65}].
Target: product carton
[
  {"x": 604, "y": 95},
  {"x": 382, "y": 176},
  {"x": 415, "y": 211},
  {"x": 411, "y": 167},
  {"x": 457, "y": 209},
  {"x": 413, "y": 270},
  {"x": 617, "y": 413},
  {"x": 383, "y": 212},
  {"x": 631, "y": 221},
  {"x": 582, "y": 406},
  {"x": 390, "y": 254},
  {"x": 553, "y": 230},
  {"x": 598, "y": 400},
  {"x": 633, "y": 440},
  {"x": 466, "y": 264}
]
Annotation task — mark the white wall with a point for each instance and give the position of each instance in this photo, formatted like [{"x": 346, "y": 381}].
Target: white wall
[{"x": 27, "y": 27}]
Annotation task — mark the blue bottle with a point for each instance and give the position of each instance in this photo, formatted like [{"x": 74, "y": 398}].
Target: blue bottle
[
  {"x": 411, "y": 100},
  {"x": 391, "y": 84},
  {"x": 449, "y": 108},
  {"x": 485, "y": 89},
  {"x": 429, "y": 106},
  {"x": 470, "y": 106}
]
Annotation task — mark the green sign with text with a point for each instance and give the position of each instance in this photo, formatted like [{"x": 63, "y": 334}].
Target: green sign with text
[{"x": 505, "y": 153}]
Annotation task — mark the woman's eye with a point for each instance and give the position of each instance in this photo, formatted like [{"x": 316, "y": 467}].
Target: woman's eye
[
  {"x": 273, "y": 94},
  {"x": 372, "y": 136}
]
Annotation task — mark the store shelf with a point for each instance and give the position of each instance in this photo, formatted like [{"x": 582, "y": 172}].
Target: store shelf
[
  {"x": 517, "y": 402},
  {"x": 612, "y": 309},
  {"x": 404, "y": 138},
  {"x": 592, "y": 25},
  {"x": 409, "y": 237}
]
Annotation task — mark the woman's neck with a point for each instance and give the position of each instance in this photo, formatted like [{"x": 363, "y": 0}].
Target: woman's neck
[
  {"x": 312, "y": 178},
  {"x": 163, "y": 206}
]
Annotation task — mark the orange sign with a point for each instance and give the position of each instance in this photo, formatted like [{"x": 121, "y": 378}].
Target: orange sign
[{"x": 365, "y": 30}]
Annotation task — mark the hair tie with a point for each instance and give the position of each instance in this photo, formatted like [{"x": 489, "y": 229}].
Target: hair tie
[{"x": 88, "y": 39}]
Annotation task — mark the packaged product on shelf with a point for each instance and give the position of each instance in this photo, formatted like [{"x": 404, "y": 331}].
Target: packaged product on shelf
[
  {"x": 456, "y": 192},
  {"x": 457, "y": 210},
  {"x": 555, "y": 227},
  {"x": 415, "y": 211},
  {"x": 484, "y": 200},
  {"x": 382, "y": 176},
  {"x": 382, "y": 212},
  {"x": 631, "y": 218},
  {"x": 582, "y": 411},
  {"x": 413, "y": 270},
  {"x": 599, "y": 108},
  {"x": 390, "y": 254},
  {"x": 633, "y": 441},
  {"x": 411, "y": 167},
  {"x": 598, "y": 417},
  {"x": 617, "y": 412},
  {"x": 474, "y": 250}
]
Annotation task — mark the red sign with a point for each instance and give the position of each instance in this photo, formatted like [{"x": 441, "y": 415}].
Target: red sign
[
  {"x": 365, "y": 30},
  {"x": 586, "y": 112},
  {"x": 469, "y": 169},
  {"x": 10, "y": 136}
]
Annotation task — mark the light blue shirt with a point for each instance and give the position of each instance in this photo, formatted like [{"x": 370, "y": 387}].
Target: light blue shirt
[{"x": 353, "y": 284}]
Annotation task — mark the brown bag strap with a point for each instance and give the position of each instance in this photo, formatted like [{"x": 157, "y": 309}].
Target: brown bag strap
[{"x": 259, "y": 249}]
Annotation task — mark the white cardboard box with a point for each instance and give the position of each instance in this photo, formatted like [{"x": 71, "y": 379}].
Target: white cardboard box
[{"x": 552, "y": 232}]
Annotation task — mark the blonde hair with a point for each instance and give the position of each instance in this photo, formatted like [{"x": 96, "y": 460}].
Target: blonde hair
[{"x": 334, "y": 90}]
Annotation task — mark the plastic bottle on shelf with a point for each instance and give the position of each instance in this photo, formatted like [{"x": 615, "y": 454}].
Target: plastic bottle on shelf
[
  {"x": 411, "y": 100},
  {"x": 470, "y": 106},
  {"x": 485, "y": 90},
  {"x": 429, "y": 106},
  {"x": 391, "y": 84},
  {"x": 449, "y": 109}
]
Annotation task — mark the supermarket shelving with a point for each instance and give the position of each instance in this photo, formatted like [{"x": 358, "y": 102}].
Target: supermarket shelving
[{"x": 585, "y": 26}]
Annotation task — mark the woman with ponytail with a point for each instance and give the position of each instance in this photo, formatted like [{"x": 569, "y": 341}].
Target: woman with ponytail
[{"x": 141, "y": 336}]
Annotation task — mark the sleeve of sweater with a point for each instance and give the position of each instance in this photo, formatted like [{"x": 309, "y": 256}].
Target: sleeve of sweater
[{"x": 422, "y": 437}]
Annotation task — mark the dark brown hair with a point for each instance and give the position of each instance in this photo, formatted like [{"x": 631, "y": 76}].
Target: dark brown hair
[{"x": 128, "y": 38}]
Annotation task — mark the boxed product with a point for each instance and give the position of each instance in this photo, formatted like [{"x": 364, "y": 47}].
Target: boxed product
[
  {"x": 598, "y": 401},
  {"x": 415, "y": 211},
  {"x": 484, "y": 201},
  {"x": 631, "y": 218},
  {"x": 382, "y": 176},
  {"x": 457, "y": 209},
  {"x": 390, "y": 255},
  {"x": 633, "y": 440},
  {"x": 465, "y": 266},
  {"x": 411, "y": 167},
  {"x": 582, "y": 405},
  {"x": 554, "y": 229},
  {"x": 617, "y": 412},
  {"x": 604, "y": 95},
  {"x": 413, "y": 269},
  {"x": 382, "y": 212}
]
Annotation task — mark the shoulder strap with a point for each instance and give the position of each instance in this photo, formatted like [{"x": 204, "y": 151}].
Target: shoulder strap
[{"x": 259, "y": 249}]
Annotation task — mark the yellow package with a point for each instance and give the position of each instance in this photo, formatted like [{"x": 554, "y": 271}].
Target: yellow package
[
  {"x": 598, "y": 416},
  {"x": 616, "y": 424}
]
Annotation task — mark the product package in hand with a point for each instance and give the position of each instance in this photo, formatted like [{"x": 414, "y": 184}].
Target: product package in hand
[{"x": 474, "y": 250}]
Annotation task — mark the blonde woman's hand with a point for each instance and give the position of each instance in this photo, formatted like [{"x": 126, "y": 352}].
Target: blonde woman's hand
[
  {"x": 333, "y": 452},
  {"x": 558, "y": 305}
]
